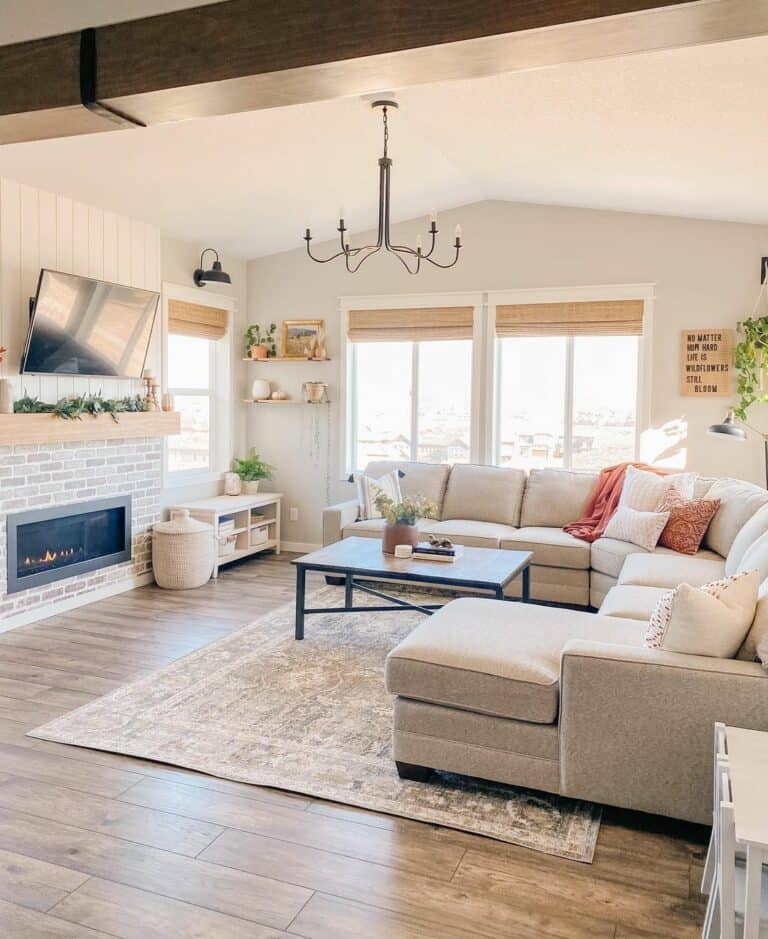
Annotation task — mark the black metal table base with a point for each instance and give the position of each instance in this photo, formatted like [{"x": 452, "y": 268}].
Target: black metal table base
[{"x": 394, "y": 604}]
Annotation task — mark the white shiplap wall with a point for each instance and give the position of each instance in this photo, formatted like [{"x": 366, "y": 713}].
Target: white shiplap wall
[{"x": 42, "y": 229}]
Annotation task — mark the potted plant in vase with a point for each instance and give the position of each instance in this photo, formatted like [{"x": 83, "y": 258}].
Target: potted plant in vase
[
  {"x": 251, "y": 471},
  {"x": 401, "y": 518},
  {"x": 261, "y": 344}
]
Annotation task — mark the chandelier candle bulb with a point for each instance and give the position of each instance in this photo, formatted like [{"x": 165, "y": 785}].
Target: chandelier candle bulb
[
  {"x": 418, "y": 243},
  {"x": 458, "y": 234}
]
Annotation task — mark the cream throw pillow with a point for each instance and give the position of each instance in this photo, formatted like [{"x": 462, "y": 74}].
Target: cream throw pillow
[
  {"x": 640, "y": 528},
  {"x": 711, "y": 620},
  {"x": 369, "y": 489},
  {"x": 756, "y": 644},
  {"x": 644, "y": 491}
]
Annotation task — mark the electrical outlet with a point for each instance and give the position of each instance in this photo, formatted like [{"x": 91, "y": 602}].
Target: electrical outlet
[{"x": 293, "y": 514}]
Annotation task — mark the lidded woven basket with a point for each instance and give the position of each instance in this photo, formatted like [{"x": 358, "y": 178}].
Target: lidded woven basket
[{"x": 183, "y": 552}]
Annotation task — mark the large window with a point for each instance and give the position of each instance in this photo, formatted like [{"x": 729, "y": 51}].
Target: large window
[
  {"x": 568, "y": 401},
  {"x": 525, "y": 378},
  {"x": 197, "y": 374},
  {"x": 411, "y": 401}
]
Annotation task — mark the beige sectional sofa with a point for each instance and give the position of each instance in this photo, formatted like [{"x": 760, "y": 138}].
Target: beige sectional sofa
[
  {"x": 562, "y": 700},
  {"x": 501, "y": 507}
]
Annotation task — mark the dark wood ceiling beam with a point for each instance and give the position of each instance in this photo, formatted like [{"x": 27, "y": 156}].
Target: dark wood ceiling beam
[{"x": 249, "y": 54}]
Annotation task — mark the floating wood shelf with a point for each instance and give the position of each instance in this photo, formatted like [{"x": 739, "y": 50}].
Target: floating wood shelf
[
  {"x": 309, "y": 404},
  {"x": 45, "y": 428},
  {"x": 283, "y": 358}
]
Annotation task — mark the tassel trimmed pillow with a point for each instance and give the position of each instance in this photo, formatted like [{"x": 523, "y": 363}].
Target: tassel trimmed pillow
[{"x": 711, "y": 620}]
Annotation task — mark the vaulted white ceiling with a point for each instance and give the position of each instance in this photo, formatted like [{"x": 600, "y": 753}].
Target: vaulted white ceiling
[{"x": 680, "y": 133}]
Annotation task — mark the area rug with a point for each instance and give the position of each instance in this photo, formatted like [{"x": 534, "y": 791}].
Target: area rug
[{"x": 311, "y": 717}]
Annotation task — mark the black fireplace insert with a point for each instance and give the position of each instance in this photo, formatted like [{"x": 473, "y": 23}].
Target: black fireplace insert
[{"x": 45, "y": 545}]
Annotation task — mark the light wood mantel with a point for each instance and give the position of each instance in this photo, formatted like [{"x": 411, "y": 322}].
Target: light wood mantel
[{"x": 45, "y": 428}]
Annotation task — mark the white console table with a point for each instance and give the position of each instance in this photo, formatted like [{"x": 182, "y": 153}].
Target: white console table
[
  {"x": 249, "y": 530},
  {"x": 748, "y": 763}
]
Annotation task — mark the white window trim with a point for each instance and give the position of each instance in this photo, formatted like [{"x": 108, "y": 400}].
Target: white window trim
[
  {"x": 347, "y": 403},
  {"x": 221, "y": 390},
  {"x": 644, "y": 291}
]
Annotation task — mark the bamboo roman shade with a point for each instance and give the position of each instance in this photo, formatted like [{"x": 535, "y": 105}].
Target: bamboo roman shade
[
  {"x": 194, "y": 319},
  {"x": 584, "y": 318},
  {"x": 411, "y": 325}
]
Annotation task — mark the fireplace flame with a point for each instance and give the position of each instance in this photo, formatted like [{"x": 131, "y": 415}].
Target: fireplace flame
[{"x": 50, "y": 556}]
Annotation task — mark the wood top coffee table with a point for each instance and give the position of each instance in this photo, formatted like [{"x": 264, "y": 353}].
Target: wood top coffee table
[{"x": 489, "y": 569}]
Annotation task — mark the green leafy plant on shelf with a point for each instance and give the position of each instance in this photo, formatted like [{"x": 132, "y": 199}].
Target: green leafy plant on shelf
[
  {"x": 252, "y": 468},
  {"x": 256, "y": 336},
  {"x": 407, "y": 511},
  {"x": 751, "y": 363},
  {"x": 73, "y": 407}
]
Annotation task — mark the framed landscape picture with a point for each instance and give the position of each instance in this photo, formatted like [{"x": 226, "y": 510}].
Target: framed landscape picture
[{"x": 300, "y": 338}]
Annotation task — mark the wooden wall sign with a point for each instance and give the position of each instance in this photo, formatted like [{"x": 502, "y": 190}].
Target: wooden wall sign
[{"x": 706, "y": 362}]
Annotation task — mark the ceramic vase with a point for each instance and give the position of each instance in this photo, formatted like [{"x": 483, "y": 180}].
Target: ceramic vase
[
  {"x": 399, "y": 534},
  {"x": 261, "y": 389},
  {"x": 232, "y": 484},
  {"x": 6, "y": 396}
]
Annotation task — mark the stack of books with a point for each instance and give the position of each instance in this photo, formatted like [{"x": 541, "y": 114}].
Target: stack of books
[
  {"x": 426, "y": 552},
  {"x": 226, "y": 524}
]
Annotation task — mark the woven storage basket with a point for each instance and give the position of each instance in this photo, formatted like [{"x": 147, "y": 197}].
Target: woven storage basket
[{"x": 183, "y": 552}]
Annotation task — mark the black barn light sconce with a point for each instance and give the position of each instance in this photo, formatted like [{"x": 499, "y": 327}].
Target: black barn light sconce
[{"x": 214, "y": 275}]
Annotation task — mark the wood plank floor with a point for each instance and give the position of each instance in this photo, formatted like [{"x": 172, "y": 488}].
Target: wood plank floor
[{"x": 93, "y": 844}]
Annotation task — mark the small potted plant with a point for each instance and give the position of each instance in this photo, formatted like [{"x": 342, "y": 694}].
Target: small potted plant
[
  {"x": 251, "y": 471},
  {"x": 401, "y": 518},
  {"x": 261, "y": 344}
]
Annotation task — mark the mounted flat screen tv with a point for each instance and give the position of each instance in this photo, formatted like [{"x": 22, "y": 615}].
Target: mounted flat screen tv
[{"x": 81, "y": 326}]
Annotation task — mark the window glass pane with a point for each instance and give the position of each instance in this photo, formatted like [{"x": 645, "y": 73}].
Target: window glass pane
[
  {"x": 532, "y": 401},
  {"x": 190, "y": 450},
  {"x": 604, "y": 400},
  {"x": 382, "y": 402},
  {"x": 445, "y": 391},
  {"x": 189, "y": 359}
]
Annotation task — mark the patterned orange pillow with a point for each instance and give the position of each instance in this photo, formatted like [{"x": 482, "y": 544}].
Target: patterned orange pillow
[{"x": 688, "y": 521}]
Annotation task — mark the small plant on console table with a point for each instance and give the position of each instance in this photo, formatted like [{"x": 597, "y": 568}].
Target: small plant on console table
[
  {"x": 251, "y": 471},
  {"x": 401, "y": 518},
  {"x": 261, "y": 344}
]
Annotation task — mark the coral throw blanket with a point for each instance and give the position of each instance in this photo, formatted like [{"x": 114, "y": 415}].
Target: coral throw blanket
[{"x": 603, "y": 501}]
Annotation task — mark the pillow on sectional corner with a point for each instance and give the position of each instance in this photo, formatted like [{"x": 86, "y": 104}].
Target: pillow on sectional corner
[
  {"x": 712, "y": 620},
  {"x": 688, "y": 521},
  {"x": 641, "y": 528},
  {"x": 644, "y": 490}
]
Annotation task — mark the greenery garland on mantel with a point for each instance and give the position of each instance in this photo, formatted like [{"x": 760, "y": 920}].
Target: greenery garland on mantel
[
  {"x": 73, "y": 407},
  {"x": 751, "y": 362}
]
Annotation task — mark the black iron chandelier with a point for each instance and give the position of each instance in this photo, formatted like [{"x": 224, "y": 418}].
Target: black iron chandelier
[{"x": 410, "y": 258}]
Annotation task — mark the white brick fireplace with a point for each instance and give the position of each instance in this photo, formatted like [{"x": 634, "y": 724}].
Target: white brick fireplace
[{"x": 38, "y": 475}]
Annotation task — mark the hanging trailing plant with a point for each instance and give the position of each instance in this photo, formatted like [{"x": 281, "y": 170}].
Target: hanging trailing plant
[{"x": 751, "y": 363}]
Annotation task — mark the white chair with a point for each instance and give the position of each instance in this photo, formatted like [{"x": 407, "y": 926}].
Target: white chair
[{"x": 725, "y": 910}]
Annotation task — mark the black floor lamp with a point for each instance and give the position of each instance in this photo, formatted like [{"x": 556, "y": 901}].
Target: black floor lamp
[{"x": 729, "y": 428}]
